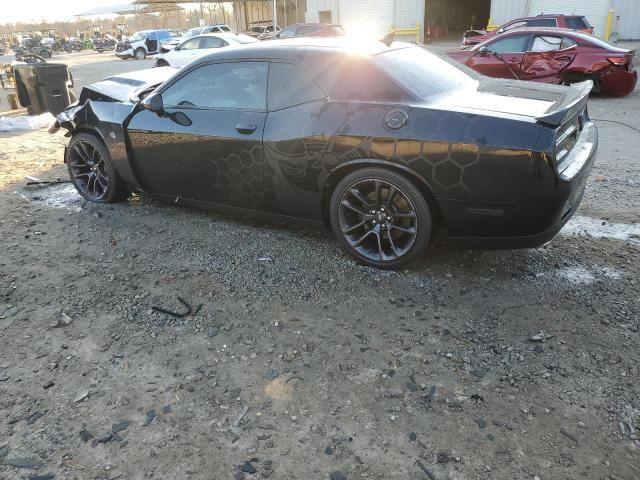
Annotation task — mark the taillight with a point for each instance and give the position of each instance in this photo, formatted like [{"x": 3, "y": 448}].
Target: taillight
[
  {"x": 566, "y": 139},
  {"x": 618, "y": 61}
]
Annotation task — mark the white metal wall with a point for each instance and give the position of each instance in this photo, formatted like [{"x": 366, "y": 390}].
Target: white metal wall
[
  {"x": 627, "y": 19},
  {"x": 374, "y": 15},
  {"x": 595, "y": 10},
  {"x": 315, "y": 6},
  {"x": 504, "y": 10},
  {"x": 378, "y": 15}
]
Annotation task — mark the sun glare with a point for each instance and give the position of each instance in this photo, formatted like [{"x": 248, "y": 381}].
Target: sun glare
[{"x": 361, "y": 36}]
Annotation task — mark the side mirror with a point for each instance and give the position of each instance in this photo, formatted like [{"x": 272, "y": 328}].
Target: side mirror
[
  {"x": 482, "y": 51},
  {"x": 154, "y": 103}
]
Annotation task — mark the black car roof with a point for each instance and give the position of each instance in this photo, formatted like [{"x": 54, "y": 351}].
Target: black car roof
[{"x": 292, "y": 48}]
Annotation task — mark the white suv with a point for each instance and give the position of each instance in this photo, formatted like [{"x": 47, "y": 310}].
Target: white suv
[{"x": 141, "y": 44}]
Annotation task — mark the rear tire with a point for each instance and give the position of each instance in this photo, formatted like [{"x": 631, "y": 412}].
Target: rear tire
[
  {"x": 140, "y": 54},
  {"x": 92, "y": 171},
  {"x": 380, "y": 218}
]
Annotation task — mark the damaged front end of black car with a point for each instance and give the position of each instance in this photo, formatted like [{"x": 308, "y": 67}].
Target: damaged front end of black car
[
  {"x": 101, "y": 113},
  {"x": 385, "y": 145}
]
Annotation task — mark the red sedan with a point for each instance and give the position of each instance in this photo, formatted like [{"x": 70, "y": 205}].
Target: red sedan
[
  {"x": 554, "y": 56},
  {"x": 572, "y": 22}
]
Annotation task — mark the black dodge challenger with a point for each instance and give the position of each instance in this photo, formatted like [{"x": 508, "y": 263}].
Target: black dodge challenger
[{"x": 384, "y": 142}]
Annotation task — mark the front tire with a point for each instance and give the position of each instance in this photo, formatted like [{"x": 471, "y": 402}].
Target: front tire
[
  {"x": 92, "y": 171},
  {"x": 140, "y": 54},
  {"x": 380, "y": 218}
]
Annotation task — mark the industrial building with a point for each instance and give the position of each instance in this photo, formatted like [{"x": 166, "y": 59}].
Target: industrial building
[{"x": 425, "y": 19}]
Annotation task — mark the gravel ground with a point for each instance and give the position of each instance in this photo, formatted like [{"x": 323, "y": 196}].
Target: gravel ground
[{"x": 293, "y": 362}]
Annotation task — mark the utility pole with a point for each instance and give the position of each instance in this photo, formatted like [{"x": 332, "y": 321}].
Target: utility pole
[{"x": 275, "y": 15}]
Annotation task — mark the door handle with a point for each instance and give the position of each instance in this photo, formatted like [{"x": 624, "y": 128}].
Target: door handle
[{"x": 246, "y": 128}]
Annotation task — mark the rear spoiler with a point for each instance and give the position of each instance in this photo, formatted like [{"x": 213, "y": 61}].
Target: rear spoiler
[{"x": 568, "y": 105}]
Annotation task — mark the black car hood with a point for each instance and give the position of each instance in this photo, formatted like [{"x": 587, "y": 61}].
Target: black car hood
[{"x": 127, "y": 86}]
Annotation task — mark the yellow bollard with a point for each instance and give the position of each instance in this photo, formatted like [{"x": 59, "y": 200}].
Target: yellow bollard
[
  {"x": 607, "y": 31},
  {"x": 491, "y": 26}
]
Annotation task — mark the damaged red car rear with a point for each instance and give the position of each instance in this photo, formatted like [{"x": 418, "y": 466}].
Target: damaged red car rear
[{"x": 555, "y": 55}]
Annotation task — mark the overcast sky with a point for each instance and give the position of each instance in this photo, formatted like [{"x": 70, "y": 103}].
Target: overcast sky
[{"x": 35, "y": 10}]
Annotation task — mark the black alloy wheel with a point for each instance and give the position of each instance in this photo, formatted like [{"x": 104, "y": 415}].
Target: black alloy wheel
[
  {"x": 92, "y": 171},
  {"x": 380, "y": 218}
]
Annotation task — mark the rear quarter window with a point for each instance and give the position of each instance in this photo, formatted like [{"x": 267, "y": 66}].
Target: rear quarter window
[
  {"x": 567, "y": 42},
  {"x": 355, "y": 78},
  {"x": 577, "y": 23}
]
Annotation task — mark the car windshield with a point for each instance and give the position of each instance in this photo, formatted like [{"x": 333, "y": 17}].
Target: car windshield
[
  {"x": 138, "y": 36},
  {"x": 423, "y": 73},
  {"x": 224, "y": 28}
]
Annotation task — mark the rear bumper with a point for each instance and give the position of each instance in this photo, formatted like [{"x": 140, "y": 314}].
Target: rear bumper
[
  {"x": 618, "y": 82},
  {"x": 549, "y": 209}
]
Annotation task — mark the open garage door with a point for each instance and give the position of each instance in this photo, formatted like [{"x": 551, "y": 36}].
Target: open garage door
[{"x": 452, "y": 17}]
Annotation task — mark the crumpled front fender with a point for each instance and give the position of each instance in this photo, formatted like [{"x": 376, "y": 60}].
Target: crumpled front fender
[{"x": 106, "y": 120}]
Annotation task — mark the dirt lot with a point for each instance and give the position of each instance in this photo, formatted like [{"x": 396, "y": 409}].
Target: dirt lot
[{"x": 297, "y": 363}]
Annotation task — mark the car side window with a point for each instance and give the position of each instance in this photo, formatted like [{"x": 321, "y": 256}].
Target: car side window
[
  {"x": 568, "y": 43},
  {"x": 358, "y": 79},
  {"x": 212, "y": 42},
  {"x": 288, "y": 32},
  {"x": 192, "y": 44},
  {"x": 307, "y": 30},
  {"x": 542, "y": 22},
  {"x": 291, "y": 85},
  {"x": 513, "y": 44},
  {"x": 576, "y": 23},
  {"x": 546, "y": 44},
  {"x": 514, "y": 25},
  {"x": 233, "y": 85}
]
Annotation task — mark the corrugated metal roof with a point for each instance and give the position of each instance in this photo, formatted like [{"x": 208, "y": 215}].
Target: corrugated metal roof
[{"x": 119, "y": 9}]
